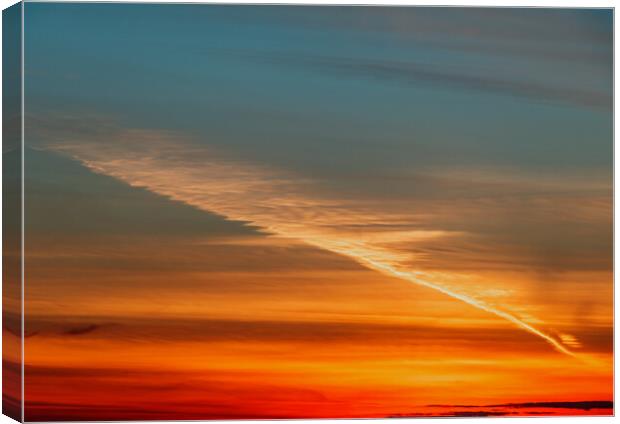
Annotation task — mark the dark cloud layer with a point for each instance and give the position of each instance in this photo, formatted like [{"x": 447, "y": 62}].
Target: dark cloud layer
[
  {"x": 585, "y": 405},
  {"x": 206, "y": 330}
]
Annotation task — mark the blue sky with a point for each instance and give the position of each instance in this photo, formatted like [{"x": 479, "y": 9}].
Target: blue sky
[{"x": 302, "y": 86}]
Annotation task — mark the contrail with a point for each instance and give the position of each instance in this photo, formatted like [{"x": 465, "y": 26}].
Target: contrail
[
  {"x": 476, "y": 303},
  {"x": 244, "y": 192},
  {"x": 387, "y": 269}
]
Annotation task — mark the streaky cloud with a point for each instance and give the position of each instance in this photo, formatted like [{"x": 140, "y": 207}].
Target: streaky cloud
[
  {"x": 168, "y": 164},
  {"x": 410, "y": 72},
  {"x": 583, "y": 404}
]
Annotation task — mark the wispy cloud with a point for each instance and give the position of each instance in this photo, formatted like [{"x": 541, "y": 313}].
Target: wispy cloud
[
  {"x": 171, "y": 165},
  {"x": 78, "y": 331},
  {"x": 445, "y": 77}
]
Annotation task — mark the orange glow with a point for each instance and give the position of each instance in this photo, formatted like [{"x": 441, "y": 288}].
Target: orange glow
[{"x": 312, "y": 315}]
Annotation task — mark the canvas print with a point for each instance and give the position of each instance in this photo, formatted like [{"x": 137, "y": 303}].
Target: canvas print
[{"x": 282, "y": 212}]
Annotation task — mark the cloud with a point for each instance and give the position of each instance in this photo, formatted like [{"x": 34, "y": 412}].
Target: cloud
[
  {"x": 78, "y": 331},
  {"x": 583, "y": 405},
  {"x": 530, "y": 25},
  {"x": 283, "y": 332},
  {"x": 278, "y": 202},
  {"x": 475, "y": 414},
  {"x": 445, "y": 77}
]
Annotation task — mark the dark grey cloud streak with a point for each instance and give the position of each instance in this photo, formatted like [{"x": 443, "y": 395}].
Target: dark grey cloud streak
[{"x": 434, "y": 76}]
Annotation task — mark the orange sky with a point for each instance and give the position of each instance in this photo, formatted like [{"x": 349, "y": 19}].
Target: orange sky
[{"x": 244, "y": 324}]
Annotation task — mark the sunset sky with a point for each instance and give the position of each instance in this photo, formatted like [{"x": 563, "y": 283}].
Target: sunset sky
[{"x": 290, "y": 212}]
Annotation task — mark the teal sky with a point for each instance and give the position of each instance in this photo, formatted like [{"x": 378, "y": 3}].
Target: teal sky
[
  {"x": 303, "y": 87},
  {"x": 469, "y": 117},
  {"x": 434, "y": 110}
]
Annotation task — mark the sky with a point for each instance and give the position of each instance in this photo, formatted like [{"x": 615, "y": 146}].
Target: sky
[{"x": 296, "y": 212}]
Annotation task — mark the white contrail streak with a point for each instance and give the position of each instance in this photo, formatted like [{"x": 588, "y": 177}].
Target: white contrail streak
[
  {"x": 249, "y": 193},
  {"x": 480, "y": 305},
  {"x": 387, "y": 269}
]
